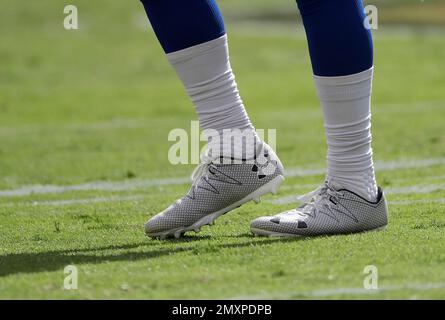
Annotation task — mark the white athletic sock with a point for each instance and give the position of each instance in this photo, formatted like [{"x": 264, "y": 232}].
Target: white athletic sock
[
  {"x": 346, "y": 104},
  {"x": 208, "y": 78}
]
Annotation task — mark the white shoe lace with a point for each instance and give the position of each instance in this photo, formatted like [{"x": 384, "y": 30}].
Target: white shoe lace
[
  {"x": 202, "y": 170},
  {"x": 319, "y": 198}
]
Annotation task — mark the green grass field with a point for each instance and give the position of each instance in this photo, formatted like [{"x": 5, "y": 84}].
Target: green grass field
[{"x": 84, "y": 119}]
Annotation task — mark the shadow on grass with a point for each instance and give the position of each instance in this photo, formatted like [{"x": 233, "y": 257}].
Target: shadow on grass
[{"x": 57, "y": 260}]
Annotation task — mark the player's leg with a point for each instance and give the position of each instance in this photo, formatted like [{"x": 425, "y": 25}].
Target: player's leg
[
  {"x": 193, "y": 37},
  {"x": 342, "y": 59}
]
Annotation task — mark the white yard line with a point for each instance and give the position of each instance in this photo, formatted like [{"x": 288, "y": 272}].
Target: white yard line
[
  {"x": 98, "y": 186},
  {"x": 417, "y": 189},
  {"x": 84, "y": 201},
  {"x": 68, "y": 202},
  {"x": 420, "y": 201},
  {"x": 87, "y": 201},
  {"x": 421, "y": 188},
  {"x": 142, "y": 184},
  {"x": 344, "y": 291}
]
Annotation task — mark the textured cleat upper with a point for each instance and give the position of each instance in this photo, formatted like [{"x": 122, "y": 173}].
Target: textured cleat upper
[
  {"x": 220, "y": 187},
  {"x": 329, "y": 212}
]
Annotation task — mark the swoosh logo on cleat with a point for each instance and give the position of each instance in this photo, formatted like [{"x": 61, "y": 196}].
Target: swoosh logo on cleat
[
  {"x": 334, "y": 214},
  {"x": 218, "y": 176},
  {"x": 347, "y": 213}
]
